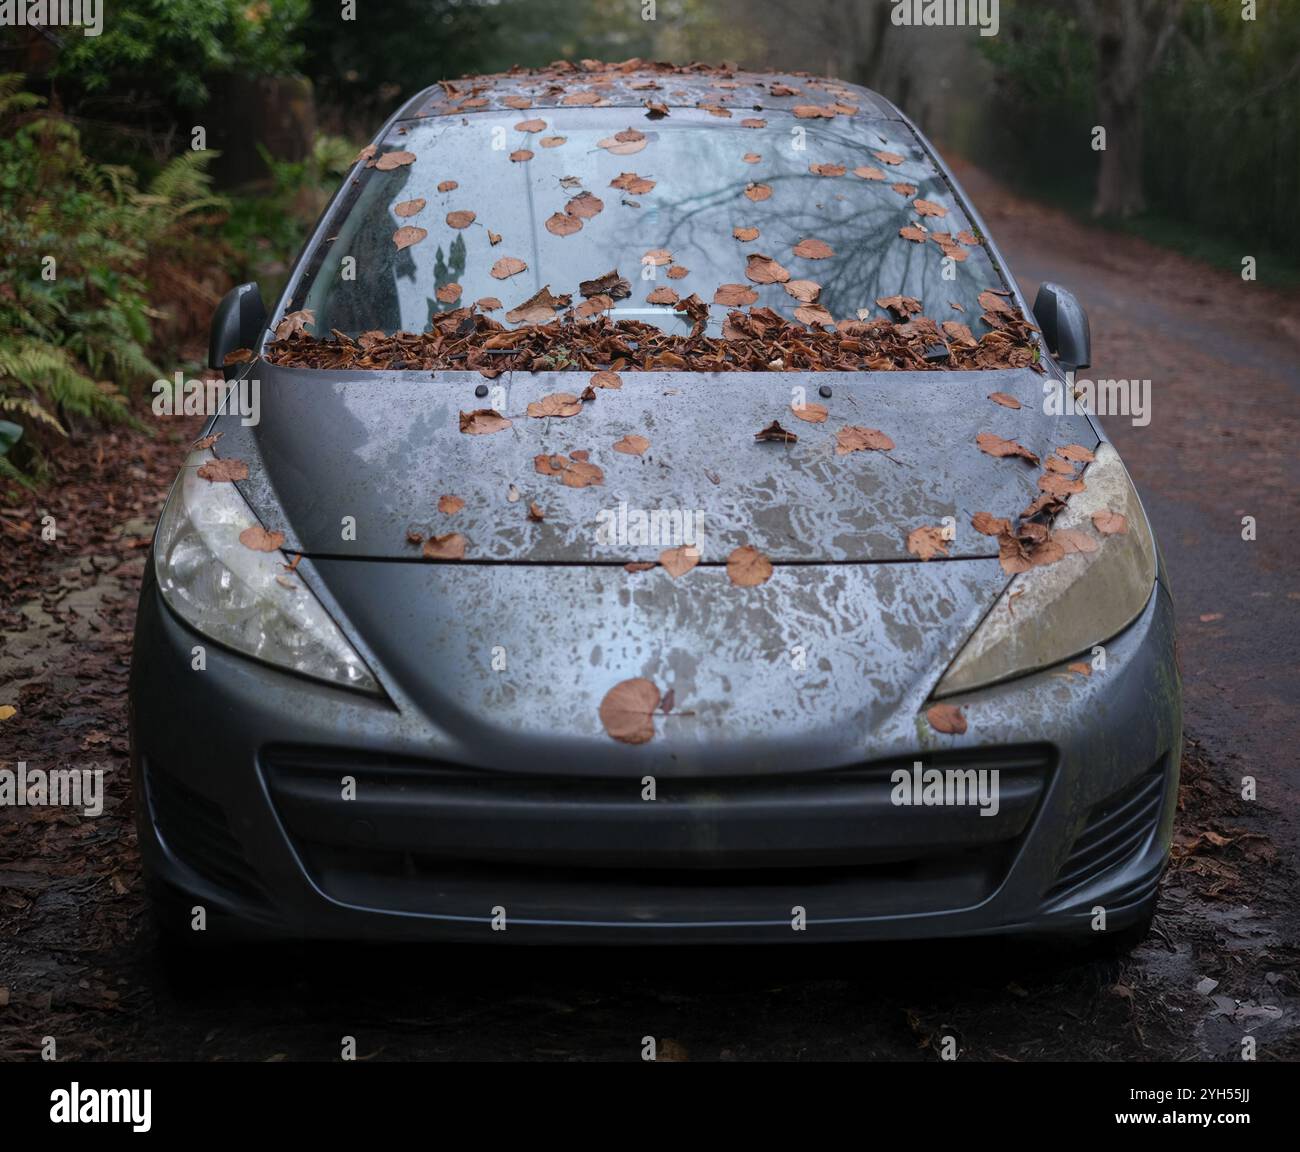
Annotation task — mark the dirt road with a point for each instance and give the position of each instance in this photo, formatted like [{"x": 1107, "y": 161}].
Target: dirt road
[{"x": 76, "y": 958}]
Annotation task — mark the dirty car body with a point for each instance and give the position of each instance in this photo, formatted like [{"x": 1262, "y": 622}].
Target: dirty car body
[{"x": 406, "y": 748}]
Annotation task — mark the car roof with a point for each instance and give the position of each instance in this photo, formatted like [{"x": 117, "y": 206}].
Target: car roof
[{"x": 723, "y": 90}]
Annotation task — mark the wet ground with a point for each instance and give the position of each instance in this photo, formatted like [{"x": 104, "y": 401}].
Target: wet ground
[{"x": 78, "y": 962}]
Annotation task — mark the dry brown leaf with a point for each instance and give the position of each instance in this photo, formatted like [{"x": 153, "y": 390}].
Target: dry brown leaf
[
  {"x": 460, "y": 219},
  {"x": 559, "y": 404},
  {"x": 539, "y": 308},
  {"x": 227, "y": 468},
  {"x": 662, "y": 295},
  {"x": 929, "y": 208},
  {"x": 1106, "y": 522},
  {"x": 811, "y": 413},
  {"x": 810, "y": 248},
  {"x": 927, "y": 542},
  {"x": 584, "y": 205},
  {"x": 633, "y": 184},
  {"x": 996, "y": 446},
  {"x": 521, "y": 155},
  {"x": 946, "y": 718},
  {"x": 869, "y": 172},
  {"x": 888, "y": 157},
  {"x": 531, "y": 126},
  {"x": 408, "y": 208},
  {"x": 482, "y": 422},
  {"x": 758, "y": 192},
  {"x": 260, "y": 540},
  {"x": 747, "y": 567},
  {"x": 448, "y": 547},
  {"x": 765, "y": 270},
  {"x": 805, "y": 291},
  {"x": 813, "y": 314},
  {"x": 851, "y": 438},
  {"x": 774, "y": 433},
  {"x": 827, "y": 169},
  {"x": 1081, "y": 668},
  {"x": 607, "y": 380},
  {"x": 678, "y": 561},
  {"x": 916, "y": 235},
  {"x": 990, "y": 525},
  {"x": 1076, "y": 452},
  {"x": 448, "y": 185},
  {"x": 632, "y": 445},
  {"x": 997, "y": 397},
  {"x": 734, "y": 295},
  {"x": 450, "y": 505},
  {"x": 390, "y": 160},
  {"x": 657, "y": 257},
  {"x": 562, "y": 224},
  {"x": 627, "y": 711},
  {"x": 745, "y": 235}
]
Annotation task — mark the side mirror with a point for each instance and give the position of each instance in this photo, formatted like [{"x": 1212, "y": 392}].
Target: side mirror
[
  {"x": 237, "y": 323},
  {"x": 1064, "y": 325}
]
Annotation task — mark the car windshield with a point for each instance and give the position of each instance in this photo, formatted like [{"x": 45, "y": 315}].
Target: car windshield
[{"x": 848, "y": 211}]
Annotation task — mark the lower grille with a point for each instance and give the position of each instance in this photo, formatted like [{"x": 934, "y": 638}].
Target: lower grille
[
  {"x": 1116, "y": 830},
  {"x": 196, "y": 831}
]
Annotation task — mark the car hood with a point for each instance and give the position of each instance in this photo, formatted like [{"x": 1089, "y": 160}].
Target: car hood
[{"x": 347, "y": 464}]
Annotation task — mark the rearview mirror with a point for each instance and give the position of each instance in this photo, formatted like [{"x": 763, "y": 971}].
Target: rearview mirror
[
  {"x": 237, "y": 323},
  {"x": 1064, "y": 325}
]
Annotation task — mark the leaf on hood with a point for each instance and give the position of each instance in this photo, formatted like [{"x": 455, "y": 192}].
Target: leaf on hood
[
  {"x": 765, "y": 270},
  {"x": 487, "y": 303},
  {"x": 632, "y": 445},
  {"x": 260, "y": 540},
  {"x": 827, "y": 169},
  {"x": 813, "y": 314},
  {"x": 657, "y": 257},
  {"x": 1077, "y": 453},
  {"x": 607, "y": 379},
  {"x": 734, "y": 295},
  {"x": 902, "y": 307},
  {"x": 521, "y": 156},
  {"x": 774, "y": 433},
  {"x": 390, "y": 160},
  {"x": 655, "y": 111},
  {"x": 678, "y": 561},
  {"x": 639, "y": 566},
  {"x": 929, "y": 208},
  {"x": 916, "y": 235},
  {"x": 805, "y": 291},
  {"x": 810, "y": 248},
  {"x": 997, "y": 397},
  {"x": 460, "y": 219},
  {"x": 1080, "y": 668},
  {"x": 888, "y": 157},
  {"x": 869, "y": 172},
  {"x": 611, "y": 284},
  {"x": 574, "y": 471},
  {"x": 295, "y": 322},
  {"x": 539, "y": 308},
  {"x": 662, "y": 295},
  {"x": 752, "y": 157},
  {"x": 531, "y": 126},
  {"x": 408, "y": 208},
  {"x": 851, "y": 438},
  {"x": 624, "y": 143},
  {"x": 1059, "y": 466},
  {"x": 753, "y": 122},
  {"x": 560, "y": 404},
  {"x": 593, "y": 306},
  {"x": 448, "y": 185},
  {"x": 1056, "y": 485},
  {"x": 812, "y": 112},
  {"x": 584, "y": 205},
  {"x": 996, "y": 446},
  {"x": 494, "y": 238},
  {"x": 365, "y": 154},
  {"x": 205, "y": 442},
  {"x": 226, "y": 468},
  {"x": 745, "y": 235},
  {"x": 482, "y": 422},
  {"x": 946, "y": 718},
  {"x": 562, "y": 224},
  {"x": 448, "y": 547},
  {"x": 905, "y": 190},
  {"x": 1073, "y": 540},
  {"x": 517, "y": 102},
  {"x": 633, "y": 184},
  {"x": 993, "y": 302},
  {"x": 747, "y": 567},
  {"x": 628, "y": 709},
  {"x": 535, "y": 513},
  {"x": 927, "y": 542},
  {"x": 553, "y": 141},
  {"x": 677, "y": 272},
  {"x": 1106, "y": 522},
  {"x": 758, "y": 192},
  {"x": 449, "y": 505},
  {"x": 989, "y": 525},
  {"x": 448, "y": 293},
  {"x": 811, "y": 413}
]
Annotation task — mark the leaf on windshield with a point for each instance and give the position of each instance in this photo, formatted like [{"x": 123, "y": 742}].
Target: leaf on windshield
[
  {"x": 662, "y": 295},
  {"x": 734, "y": 295},
  {"x": 562, "y": 224},
  {"x": 929, "y": 208},
  {"x": 448, "y": 293},
  {"x": 408, "y": 208},
  {"x": 508, "y": 266},
  {"x": 758, "y": 192},
  {"x": 607, "y": 380},
  {"x": 805, "y": 291},
  {"x": 827, "y": 169},
  {"x": 888, "y": 157},
  {"x": 224, "y": 469},
  {"x": 390, "y": 160},
  {"x": 633, "y": 184},
  {"x": 624, "y": 143},
  {"x": 910, "y": 232},
  {"x": 810, "y": 248},
  {"x": 745, "y": 235},
  {"x": 869, "y": 172},
  {"x": 765, "y": 270},
  {"x": 611, "y": 284},
  {"x": 407, "y": 235},
  {"x": 460, "y": 219},
  {"x": 521, "y": 155},
  {"x": 539, "y": 308}
]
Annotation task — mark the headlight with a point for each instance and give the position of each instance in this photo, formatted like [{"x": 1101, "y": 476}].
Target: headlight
[
  {"x": 241, "y": 598},
  {"x": 1048, "y": 614}
]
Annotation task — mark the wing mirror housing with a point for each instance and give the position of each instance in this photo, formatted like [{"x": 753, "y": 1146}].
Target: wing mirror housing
[
  {"x": 238, "y": 322},
  {"x": 1064, "y": 325}
]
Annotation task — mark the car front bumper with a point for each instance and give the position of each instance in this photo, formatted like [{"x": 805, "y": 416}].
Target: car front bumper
[{"x": 287, "y": 807}]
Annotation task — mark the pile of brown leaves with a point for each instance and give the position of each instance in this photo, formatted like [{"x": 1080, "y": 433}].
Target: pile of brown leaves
[{"x": 755, "y": 341}]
